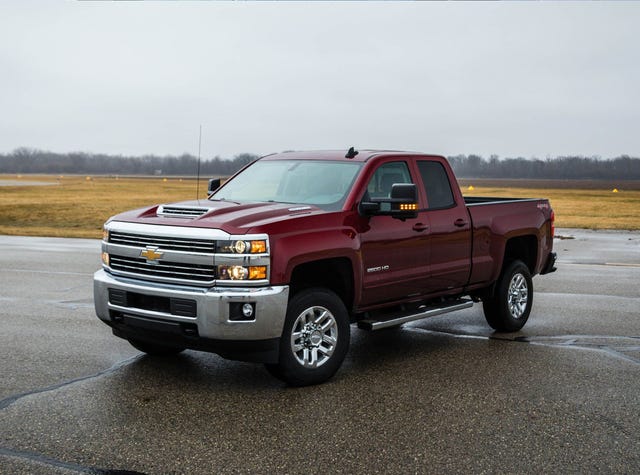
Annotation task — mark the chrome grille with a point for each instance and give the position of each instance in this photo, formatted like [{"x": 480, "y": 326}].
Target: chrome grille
[
  {"x": 164, "y": 269},
  {"x": 205, "y": 246},
  {"x": 181, "y": 211}
]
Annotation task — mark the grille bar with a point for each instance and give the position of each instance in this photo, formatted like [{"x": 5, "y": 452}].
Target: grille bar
[
  {"x": 206, "y": 246},
  {"x": 171, "y": 270}
]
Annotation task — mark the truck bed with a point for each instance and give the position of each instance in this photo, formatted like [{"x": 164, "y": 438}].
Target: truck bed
[
  {"x": 485, "y": 200},
  {"x": 494, "y": 220}
]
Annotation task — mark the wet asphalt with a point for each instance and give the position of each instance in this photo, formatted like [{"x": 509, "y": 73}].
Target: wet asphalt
[{"x": 444, "y": 395}]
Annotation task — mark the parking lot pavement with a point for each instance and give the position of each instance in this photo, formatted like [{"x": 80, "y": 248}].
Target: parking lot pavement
[{"x": 436, "y": 396}]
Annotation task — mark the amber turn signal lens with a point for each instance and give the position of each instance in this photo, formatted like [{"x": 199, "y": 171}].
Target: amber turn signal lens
[
  {"x": 258, "y": 247},
  {"x": 257, "y": 272}
]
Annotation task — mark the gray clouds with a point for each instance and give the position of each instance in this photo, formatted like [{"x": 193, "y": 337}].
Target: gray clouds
[{"x": 530, "y": 79}]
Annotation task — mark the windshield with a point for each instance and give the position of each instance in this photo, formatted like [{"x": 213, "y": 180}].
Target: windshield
[{"x": 321, "y": 183}]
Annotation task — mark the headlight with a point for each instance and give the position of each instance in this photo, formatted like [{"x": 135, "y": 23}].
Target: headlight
[
  {"x": 105, "y": 234},
  {"x": 242, "y": 247},
  {"x": 242, "y": 272}
]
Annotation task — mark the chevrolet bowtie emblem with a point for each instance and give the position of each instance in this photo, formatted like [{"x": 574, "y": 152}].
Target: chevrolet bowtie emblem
[{"x": 151, "y": 254}]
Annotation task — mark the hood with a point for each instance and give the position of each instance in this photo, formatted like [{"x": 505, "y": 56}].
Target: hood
[{"x": 231, "y": 217}]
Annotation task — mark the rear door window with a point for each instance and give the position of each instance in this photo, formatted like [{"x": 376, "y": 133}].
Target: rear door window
[{"x": 436, "y": 184}]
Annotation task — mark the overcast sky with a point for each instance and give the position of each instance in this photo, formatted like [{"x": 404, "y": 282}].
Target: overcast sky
[{"x": 532, "y": 79}]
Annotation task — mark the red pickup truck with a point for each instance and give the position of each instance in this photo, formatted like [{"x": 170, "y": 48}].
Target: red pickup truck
[{"x": 278, "y": 262}]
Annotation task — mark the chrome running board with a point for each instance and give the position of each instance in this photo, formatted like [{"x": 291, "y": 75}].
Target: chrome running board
[{"x": 423, "y": 312}]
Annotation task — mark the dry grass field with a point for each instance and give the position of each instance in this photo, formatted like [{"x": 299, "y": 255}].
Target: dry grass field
[
  {"x": 77, "y": 206},
  {"x": 580, "y": 204}
]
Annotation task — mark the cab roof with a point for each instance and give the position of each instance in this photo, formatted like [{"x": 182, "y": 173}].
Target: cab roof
[{"x": 362, "y": 156}]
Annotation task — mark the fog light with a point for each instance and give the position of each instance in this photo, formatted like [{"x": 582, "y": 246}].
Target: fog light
[
  {"x": 247, "y": 310},
  {"x": 242, "y": 312}
]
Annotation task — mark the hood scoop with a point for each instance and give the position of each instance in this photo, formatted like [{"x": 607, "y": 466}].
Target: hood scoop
[{"x": 188, "y": 212}]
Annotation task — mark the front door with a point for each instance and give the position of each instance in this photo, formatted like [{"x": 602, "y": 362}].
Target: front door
[{"x": 395, "y": 253}]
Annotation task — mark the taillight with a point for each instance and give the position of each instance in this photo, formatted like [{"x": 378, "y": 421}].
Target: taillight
[{"x": 553, "y": 225}]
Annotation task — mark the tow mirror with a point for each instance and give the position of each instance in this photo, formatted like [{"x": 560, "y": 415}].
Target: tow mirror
[
  {"x": 402, "y": 204},
  {"x": 214, "y": 184}
]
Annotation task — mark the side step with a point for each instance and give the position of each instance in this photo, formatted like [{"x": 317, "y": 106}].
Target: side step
[{"x": 423, "y": 312}]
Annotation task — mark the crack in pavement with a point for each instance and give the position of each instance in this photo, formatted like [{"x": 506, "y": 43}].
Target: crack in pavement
[
  {"x": 43, "y": 459},
  {"x": 51, "y": 462},
  {"x": 6, "y": 402}
]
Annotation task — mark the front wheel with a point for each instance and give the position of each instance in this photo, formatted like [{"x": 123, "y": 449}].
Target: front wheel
[
  {"x": 315, "y": 338},
  {"x": 509, "y": 307}
]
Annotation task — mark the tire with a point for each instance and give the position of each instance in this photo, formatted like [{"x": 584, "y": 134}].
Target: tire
[
  {"x": 153, "y": 349},
  {"x": 315, "y": 338},
  {"x": 509, "y": 307}
]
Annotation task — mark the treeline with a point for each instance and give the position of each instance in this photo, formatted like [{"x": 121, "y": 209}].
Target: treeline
[
  {"x": 568, "y": 168},
  {"x": 26, "y": 160}
]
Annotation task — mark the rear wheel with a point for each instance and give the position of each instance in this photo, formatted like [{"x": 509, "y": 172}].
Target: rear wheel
[
  {"x": 155, "y": 349},
  {"x": 315, "y": 338},
  {"x": 509, "y": 307}
]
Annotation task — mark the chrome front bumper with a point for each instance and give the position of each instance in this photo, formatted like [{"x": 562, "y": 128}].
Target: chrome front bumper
[{"x": 211, "y": 317}]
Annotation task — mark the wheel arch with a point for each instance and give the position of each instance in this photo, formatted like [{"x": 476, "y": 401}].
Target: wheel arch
[
  {"x": 523, "y": 248},
  {"x": 335, "y": 274}
]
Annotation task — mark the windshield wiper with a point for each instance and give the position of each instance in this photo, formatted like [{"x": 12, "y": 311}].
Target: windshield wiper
[{"x": 225, "y": 200}]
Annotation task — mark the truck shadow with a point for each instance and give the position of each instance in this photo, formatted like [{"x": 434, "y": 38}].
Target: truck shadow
[{"x": 382, "y": 351}]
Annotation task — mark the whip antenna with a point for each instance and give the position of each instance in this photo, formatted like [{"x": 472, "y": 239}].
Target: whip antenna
[{"x": 198, "y": 172}]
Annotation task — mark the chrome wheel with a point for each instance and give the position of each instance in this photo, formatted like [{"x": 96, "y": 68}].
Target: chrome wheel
[
  {"x": 314, "y": 337},
  {"x": 518, "y": 296}
]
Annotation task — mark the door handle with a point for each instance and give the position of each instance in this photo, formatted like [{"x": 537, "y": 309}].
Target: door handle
[
  {"x": 460, "y": 222},
  {"x": 420, "y": 227}
]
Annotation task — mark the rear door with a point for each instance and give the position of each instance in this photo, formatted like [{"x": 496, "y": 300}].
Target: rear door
[{"x": 449, "y": 228}]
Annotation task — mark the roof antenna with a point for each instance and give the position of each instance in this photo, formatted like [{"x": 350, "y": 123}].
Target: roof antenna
[
  {"x": 351, "y": 153},
  {"x": 198, "y": 172}
]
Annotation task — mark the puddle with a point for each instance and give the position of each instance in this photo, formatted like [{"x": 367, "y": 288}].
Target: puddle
[{"x": 624, "y": 347}]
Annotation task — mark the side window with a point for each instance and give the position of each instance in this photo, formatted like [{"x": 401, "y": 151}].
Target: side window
[
  {"x": 436, "y": 184},
  {"x": 385, "y": 176}
]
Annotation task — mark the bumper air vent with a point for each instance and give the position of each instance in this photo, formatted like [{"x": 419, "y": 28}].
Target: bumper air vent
[{"x": 173, "y": 306}]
